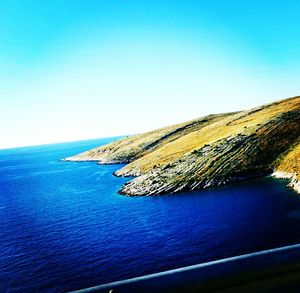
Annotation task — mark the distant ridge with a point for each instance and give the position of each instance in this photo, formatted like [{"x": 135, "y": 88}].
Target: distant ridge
[{"x": 209, "y": 151}]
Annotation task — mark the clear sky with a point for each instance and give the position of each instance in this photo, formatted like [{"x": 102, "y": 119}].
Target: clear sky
[{"x": 82, "y": 69}]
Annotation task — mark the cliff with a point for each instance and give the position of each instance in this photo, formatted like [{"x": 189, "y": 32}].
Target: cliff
[
  {"x": 289, "y": 167},
  {"x": 209, "y": 151}
]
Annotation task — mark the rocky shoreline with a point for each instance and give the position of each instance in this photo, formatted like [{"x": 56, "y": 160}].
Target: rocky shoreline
[
  {"x": 292, "y": 177},
  {"x": 209, "y": 151}
]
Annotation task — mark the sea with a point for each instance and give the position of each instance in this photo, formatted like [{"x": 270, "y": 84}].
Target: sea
[{"x": 64, "y": 227}]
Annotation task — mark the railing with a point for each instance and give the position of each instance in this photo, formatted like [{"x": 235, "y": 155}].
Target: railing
[{"x": 267, "y": 270}]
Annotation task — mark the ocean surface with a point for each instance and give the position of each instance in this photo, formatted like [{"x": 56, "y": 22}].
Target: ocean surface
[{"x": 63, "y": 226}]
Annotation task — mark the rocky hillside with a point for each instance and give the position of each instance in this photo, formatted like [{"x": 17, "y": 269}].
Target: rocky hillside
[
  {"x": 289, "y": 167},
  {"x": 209, "y": 151},
  {"x": 131, "y": 148}
]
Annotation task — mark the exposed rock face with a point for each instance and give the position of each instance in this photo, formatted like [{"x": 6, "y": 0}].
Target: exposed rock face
[
  {"x": 228, "y": 160},
  {"x": 289, "y": 167},
  {"x": 294, "y": 182},
  {"x": 210, "y": 151}
]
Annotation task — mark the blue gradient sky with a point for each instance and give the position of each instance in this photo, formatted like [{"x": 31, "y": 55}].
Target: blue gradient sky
[{"x": 83, "y": 69}]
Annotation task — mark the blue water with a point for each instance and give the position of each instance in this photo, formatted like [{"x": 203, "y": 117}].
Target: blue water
[{"x": 64, "y": 227}]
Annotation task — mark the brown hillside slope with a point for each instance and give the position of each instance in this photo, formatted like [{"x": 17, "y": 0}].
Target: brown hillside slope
[
  {"x": 217, "y": 150},
  {"x": 130, "y": 148},
  {"x": 289, "y": 167},
  {"x": 241, "y": 123}
]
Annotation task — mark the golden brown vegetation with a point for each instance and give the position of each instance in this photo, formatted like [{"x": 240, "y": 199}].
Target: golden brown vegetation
[
  {"x": 209, "y": 151},
  {"x": 291, "y": 162}
]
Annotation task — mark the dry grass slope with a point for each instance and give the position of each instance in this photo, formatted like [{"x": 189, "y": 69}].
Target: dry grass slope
[
  {"x": 290, "y": 163},
  {"x": 130, "y": 148},
  {"x": 209, "y": 151},
  {"x": 241, "y": 123}
]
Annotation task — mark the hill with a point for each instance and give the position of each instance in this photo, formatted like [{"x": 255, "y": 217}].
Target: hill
[{"x": 210, "y": 151}]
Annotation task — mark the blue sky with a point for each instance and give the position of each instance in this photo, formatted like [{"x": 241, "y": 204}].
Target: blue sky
[{"x": 84, "y": 69}]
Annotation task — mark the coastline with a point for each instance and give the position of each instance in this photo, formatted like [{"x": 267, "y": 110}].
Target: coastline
[
  {"x": 80, "y": 159},
  {"x": 208, "y": 151},
  {"x": 292, "y": 177},
  {"x": 294, "y": 182}
]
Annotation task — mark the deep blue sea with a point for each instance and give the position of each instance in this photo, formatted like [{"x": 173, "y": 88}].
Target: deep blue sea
[{"x": 63, "y": 226}]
